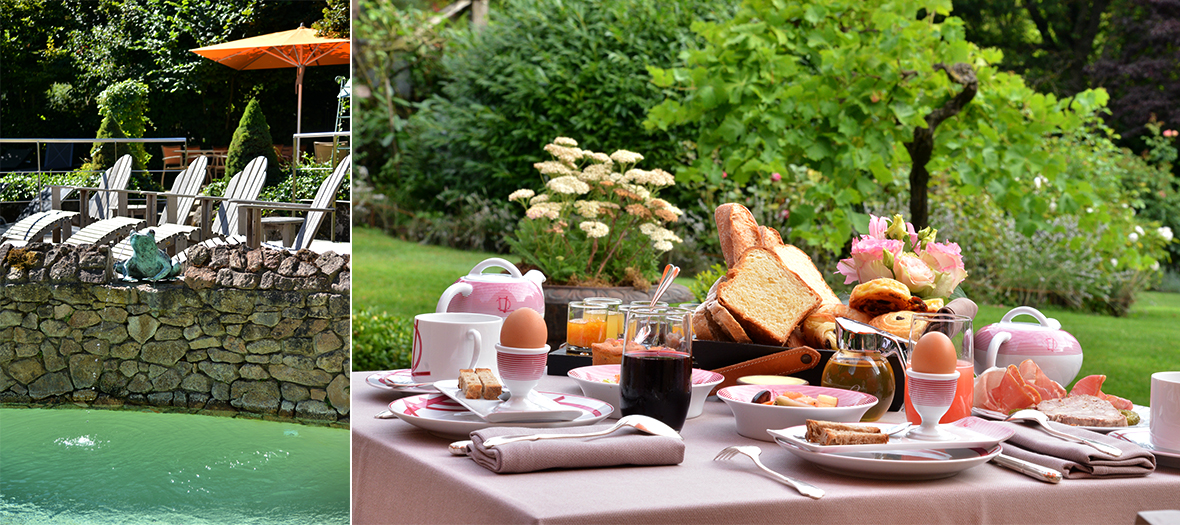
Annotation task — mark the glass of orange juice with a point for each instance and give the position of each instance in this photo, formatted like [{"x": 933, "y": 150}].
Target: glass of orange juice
[
  {"x": 614, "y": 316},
  {"x": 958, "y": 328},
  {"x": 585, "y": 326}
]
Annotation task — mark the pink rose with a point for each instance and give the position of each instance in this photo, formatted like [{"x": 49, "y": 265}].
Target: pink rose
[
  {"x": 724, "y": 175},
  {"x": 914, "y": 273},
  {"x": 877, "y": 226},
  {"x": 946, "y": 259},
  {"x": 868, "y": 259},
  {"x": 776, "y": 177}
]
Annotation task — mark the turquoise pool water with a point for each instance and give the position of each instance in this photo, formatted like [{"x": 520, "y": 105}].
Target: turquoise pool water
[{"x": 78, "y": 466}]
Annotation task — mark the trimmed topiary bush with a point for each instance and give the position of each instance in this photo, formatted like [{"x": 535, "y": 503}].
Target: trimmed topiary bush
[
  {"x": 252, "y": 139},
  {"x": 104, "y": 155}
]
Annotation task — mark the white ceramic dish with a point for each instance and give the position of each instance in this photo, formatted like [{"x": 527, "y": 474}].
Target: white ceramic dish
[
  {"x": 969, "y": 432},
  {"x": 1142, "y": 437},
  {"x": 754, "y": 419},
  {"x": 540, "y": 408},
  {"x": 599, "y": 382},
  {"x": 442, "y": 416},
  {"x": 909, "y": 465},
  {"x": 398, "y": 381},
  {"x": 1144, "y": 416}
]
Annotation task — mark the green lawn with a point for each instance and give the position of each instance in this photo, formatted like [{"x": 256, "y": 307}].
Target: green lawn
[{"x": 404, "y": 278}]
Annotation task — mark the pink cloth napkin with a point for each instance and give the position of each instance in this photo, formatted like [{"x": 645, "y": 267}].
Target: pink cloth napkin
[
  {"x": 626, "y": 446},
  {"x": 1077, "y": 460}
]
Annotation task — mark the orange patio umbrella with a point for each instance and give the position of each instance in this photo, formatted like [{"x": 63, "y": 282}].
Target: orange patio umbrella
[{"x": 296, "y": 48}]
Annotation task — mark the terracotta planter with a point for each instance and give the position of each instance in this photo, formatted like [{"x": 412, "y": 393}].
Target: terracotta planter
[{"x": 558, "y": 298}]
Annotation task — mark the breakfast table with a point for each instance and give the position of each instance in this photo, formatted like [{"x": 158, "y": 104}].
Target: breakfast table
[{"x": 403, "y": 474}]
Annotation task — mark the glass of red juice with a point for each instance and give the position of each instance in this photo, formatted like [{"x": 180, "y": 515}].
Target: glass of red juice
[
  {"x": 958, "y": 328},
  {"x": 656, "y": 375}
]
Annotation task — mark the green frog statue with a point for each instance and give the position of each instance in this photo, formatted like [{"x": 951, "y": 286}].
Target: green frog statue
[{"x": 149, "y": 262}]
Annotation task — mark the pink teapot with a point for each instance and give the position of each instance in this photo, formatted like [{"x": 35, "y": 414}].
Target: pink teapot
[
  {"x": 1054, "y": 350},
  {"x": 494, "y": 293}
]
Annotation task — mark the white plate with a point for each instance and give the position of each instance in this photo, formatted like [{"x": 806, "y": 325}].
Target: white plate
[
  {"x": 1144, "y": 413},
  {"x": 1142, "y": 437},
  {"x": 537, "y": 407},
  {"x": 906, "y": 465},
  {"x": 399, "y": 381},
  {"x": 442, "y": 416},
  {"x": 969, "y": 432}
]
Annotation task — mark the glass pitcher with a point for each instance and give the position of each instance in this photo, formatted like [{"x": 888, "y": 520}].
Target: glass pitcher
[{"x": 860, "y": 364}]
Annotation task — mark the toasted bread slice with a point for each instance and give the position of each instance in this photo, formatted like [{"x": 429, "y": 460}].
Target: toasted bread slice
[
  {"x": 737, "y": 230},
  {"x": 729, "y": 326},
  {"x": 491, "y": 386},
  {"x": 767, "y": 299},
  {"x": 843, "y": 437},
  {"x": 470, "y": 384}
]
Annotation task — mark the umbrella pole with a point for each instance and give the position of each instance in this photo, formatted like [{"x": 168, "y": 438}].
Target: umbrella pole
[{"x": 298, "y": 125}]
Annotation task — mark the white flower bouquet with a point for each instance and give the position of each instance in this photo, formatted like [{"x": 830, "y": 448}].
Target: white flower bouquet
[{"x": 597, "y": 221}]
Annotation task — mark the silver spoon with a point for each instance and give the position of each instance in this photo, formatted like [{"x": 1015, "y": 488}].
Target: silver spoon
[
  {"x": 639, "y": 422},
  {"x": 1040, "y": 417},
  {"x": 670, "y": 273}
]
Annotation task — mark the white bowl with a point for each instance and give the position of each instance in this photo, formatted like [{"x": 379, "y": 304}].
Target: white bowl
[
  {"x": 754, "y": 419},
  {"x": 599, "y": 382}
]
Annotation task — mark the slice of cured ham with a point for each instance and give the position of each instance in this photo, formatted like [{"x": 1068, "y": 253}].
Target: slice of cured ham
[
  {"x": 1036, "y": 378},
  {"x": 1013, "y": 393},
  {"x": 1092, "y": 386}
]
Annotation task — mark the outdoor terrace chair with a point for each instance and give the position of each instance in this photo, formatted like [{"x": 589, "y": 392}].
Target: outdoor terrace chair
[
  {"x": 245, "y": 185},
  {"x": 58, "y": 221},
  {"x": 323, "y": 203},
  {"x": 180, "y": 204}
]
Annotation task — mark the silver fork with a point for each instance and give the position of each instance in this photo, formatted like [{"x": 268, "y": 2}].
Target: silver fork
[{"x": 753, "y": 452}]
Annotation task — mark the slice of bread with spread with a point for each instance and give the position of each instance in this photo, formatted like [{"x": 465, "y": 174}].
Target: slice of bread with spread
[{"x": 766, "y": 298}]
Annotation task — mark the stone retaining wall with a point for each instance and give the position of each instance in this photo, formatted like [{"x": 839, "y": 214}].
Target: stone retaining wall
[{"x": 261, "y": 333}]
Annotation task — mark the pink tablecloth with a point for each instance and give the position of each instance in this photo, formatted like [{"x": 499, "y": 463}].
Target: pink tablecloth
[{"x": 402, "y": 474}]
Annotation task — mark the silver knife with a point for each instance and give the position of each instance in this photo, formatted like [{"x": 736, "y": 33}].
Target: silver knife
[
  {"x": 1028, "y": 468},
  {"x": 461, "y": 448}
]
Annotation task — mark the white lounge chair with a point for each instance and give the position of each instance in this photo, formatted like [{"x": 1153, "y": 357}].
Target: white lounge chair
[{"x": 36, "y": 226}]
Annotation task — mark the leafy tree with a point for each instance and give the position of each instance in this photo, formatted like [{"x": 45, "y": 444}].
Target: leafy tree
[
  {"x": 251, "y": 140},
  {"x": 841, "y": 86},
  {"x": 541, "y": 70},
  {"x": 335, "y": 23},
  {"x": 105, "y": 154},
  {"x": 1140, "y": 66}
]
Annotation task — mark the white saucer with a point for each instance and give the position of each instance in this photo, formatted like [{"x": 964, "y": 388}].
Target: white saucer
[
  {"x": 399, "y": 381},
  {"x": 535, "y": 408},
  {"x": 442, "y": 416},
  {"x": 1142, "y": 437},
  {"x": 969, "y": 432},
  {"x": 905, "y": 465}
]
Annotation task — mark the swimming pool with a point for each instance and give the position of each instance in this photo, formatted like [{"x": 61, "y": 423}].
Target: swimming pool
[{"x": 67, "y": 466}]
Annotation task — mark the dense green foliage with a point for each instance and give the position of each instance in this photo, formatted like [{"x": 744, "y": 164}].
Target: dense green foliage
[
  {"x": 104, "y": 154},
  {"x": 22, "y": 186},
  {"x": 126, "y": 102},
  {"x": 543, "y": 69},
  {"x": 251, "y": 140},
  {"x": 380, "y": 341},
  {"x": 335, "y": 23},
  {"x": 59, "y": 55},
  {"x": 839, "y": 87}
]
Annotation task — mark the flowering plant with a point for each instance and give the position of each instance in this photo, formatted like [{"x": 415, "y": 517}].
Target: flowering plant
[
  {"x": 893, "y": 249},
  {"x": 597, "y": 221}
]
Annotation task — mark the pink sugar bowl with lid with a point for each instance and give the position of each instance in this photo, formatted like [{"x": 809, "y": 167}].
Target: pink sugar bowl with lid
[{"x": 1007, "y": 342}]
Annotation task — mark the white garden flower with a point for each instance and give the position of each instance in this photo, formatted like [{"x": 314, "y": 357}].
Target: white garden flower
[
  {"x": 1155, "y": 266},
  {"x": 1139, "y": 229},
  {"x": 569, "y": 185},
  {"x": 626, "y": 157},
  {"x": 552, "y": 167},
  {"x": 601, "y": 158},
  {"x": 1133, "y": 236},
  {"x": 663, "y": 246},
  {"x": 548, "y": 210},
  {"x": 1114, "y": 262},
  {"x": 594, "y": 229},
  {"x": 587, "y": 209},
  {"x": 565, "y": 154},
  {"x": 544, "y": 197},
  {"x": 521, "y": 194},
  {"x": 565, "y": 141},
  {"x": 1166, "y": 233}
]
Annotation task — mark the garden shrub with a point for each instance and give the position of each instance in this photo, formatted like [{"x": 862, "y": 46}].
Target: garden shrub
[
  {"x": 251, "y": 140},
  {"x": 126, "y": 103},
  {"x": 540, "y": 70},
  {"x": 381, "y": 341},
  {"x": 104, "y": 154},
  {"x": 22, "y": 186}
]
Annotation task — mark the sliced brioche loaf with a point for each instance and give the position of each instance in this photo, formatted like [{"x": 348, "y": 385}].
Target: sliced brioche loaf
[
  {"x": 727, "y": 323},
  {"x": 766, "y": 298},
  {"x": 799, "y": 262},
  {"x": 737, "y": 230}
]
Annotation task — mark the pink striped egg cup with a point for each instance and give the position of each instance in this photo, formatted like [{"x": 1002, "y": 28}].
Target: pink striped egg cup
[
  {"x": 520, "y": 370},
  {"x": 931, "y": 395}
]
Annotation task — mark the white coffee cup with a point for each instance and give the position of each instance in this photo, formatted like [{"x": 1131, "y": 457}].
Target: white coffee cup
[
  {"x": 1165, "y": 411},
  {"x": 446, "y": 342}
]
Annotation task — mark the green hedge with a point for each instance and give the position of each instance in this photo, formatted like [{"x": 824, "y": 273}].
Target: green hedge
[{"x": 381, "y": 341}]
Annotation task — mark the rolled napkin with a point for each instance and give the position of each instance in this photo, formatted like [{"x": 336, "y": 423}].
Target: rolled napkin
[
  {"x": 961, "y": 306},
  {"x": 626, "y": 446},
  {"x": 1077, "y": 460}
]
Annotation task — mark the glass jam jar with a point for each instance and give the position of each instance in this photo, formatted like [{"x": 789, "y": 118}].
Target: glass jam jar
[{"x": 859, "y": 364}]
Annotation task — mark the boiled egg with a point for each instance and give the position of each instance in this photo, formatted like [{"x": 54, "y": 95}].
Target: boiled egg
[
  {"x": 934, "y": 354},
  {"x": 524, "y": 328}
]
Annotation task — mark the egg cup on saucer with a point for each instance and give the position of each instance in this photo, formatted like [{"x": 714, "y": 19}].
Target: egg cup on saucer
[{"x": 931, "y": 395}]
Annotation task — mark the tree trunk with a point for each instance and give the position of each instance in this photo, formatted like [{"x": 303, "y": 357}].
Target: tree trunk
[{"x": 922, "y": 147}]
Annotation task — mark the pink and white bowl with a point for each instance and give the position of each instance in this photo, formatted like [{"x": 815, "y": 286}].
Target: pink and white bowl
[
  {"x": 601, "y": 382},
  {"x": 754, "y": 419}
]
